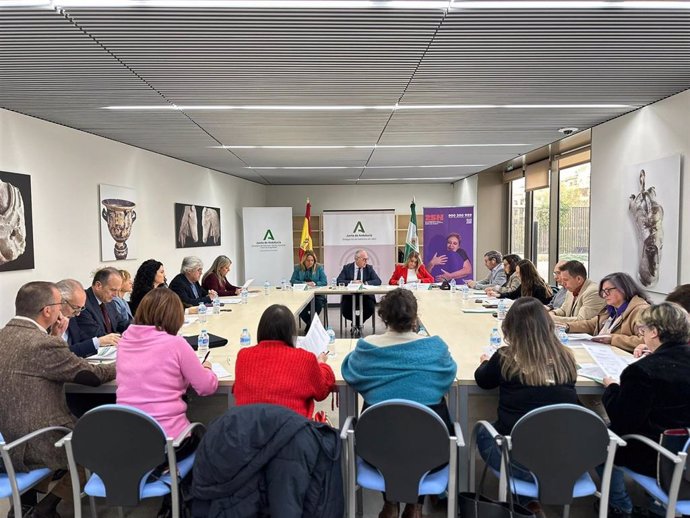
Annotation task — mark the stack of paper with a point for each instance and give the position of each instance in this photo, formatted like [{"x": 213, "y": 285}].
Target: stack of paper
[{"x": 610, "y": 363}]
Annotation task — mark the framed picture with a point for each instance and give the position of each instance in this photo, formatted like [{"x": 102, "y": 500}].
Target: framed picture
[
  {"x": 16, "y": 222},
  {"x": 117, "y": 213},
  {"x": 196, "y": 226}
]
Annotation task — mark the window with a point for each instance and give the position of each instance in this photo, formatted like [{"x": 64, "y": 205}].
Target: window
[
  {"x": 541, "y": 204},
  {"x": 573, "y": 214},
  {"x": 517, "y": 217}
]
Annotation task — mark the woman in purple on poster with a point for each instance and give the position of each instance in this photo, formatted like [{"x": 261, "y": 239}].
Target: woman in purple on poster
[{"x": 453, "y": 265}]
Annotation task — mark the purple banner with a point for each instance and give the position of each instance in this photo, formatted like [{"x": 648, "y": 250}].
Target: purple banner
[{"x": 449, "y": 242}]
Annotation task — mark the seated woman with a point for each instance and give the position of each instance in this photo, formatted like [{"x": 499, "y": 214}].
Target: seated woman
[
  {"x": 533, "y": 371},
  {"x": 215, "y": 278},
  {"x": 411, "y": 271},
  {"x": 512, "y": 283},
  {"x": 151, "y": 274},
  {"x": 531, "y": 284},
  {"x": 274, "y": 371},
  {"x": 155, "y": 366},
  {"x": 401, "y": 364},
  {"x": 311, "y": 273},
  {"x": 653, "y": 394},
  {"x": 617, "y": 323},
  {"x": 123, "y": 309}
]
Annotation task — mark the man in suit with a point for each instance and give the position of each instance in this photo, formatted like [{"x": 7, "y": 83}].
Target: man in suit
[
  {"x": 186, "y": 283},
  {"x": 100, "y": 316},
  {"x": 358, "y": 272},
  {"x": 66, "y": 327},
  {"x": 34, "y": 367},
  {"x": 582, "y": 301}
]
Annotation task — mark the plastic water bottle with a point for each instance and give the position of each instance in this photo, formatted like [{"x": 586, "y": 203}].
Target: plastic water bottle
[
  {"x": 267, "y": 287},
  {"x": 563, "y": 336},
  {"x": 502, "y": 309},
  {"x": 244, "y": 295},
  {"x": 202, "y": 344},
  {"x": 401, "y": 282},
  {"x": 453, "y": 286},
  {"x": 494, "y": 341},
  {"x": 465, "y": 292},
  {"x": 245, "y": 338},
  {"x": 331, "y": 335},
  {"x": 202, "y": 313},
  {"x": 216, "y": 306},
  {"x": 283, "y": 284},
  {"x": 422, "y": 330},
  {"x": 334, "y": 283}
]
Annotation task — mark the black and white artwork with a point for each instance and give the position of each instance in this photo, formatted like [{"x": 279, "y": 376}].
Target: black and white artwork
[
  {"x": 16, "y": 222},
  {"x": 196, "y": 226},
  {"x": 653, "y": 203}
]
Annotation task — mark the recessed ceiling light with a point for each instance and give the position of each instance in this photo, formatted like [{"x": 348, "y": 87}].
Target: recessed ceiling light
[
  {"x": 567, "y": 4},
  {"x": 356, "y": 107},
  {"x": 450, "y": 178},
  {"x": 262, "y": 4},
  {"x": 372, "y": 146},
  {"x": 366, "y": 167}
]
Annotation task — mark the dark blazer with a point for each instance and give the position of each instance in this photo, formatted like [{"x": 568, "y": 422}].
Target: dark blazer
[
  {"x": 183, "y": 288},
  {"x": 653, "y": 396},
  {"x": 369, "y": 276},
  {"x": 81, "y": 348},
  {"x": 90, "y": 321}
]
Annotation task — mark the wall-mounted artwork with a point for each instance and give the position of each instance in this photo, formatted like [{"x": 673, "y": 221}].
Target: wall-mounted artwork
[
  {"x": 653, "y": 203},
  {"x": 16, "y": 222},
  {"x": 196, "y": 226},
  {"x": 117, "y": 215}
]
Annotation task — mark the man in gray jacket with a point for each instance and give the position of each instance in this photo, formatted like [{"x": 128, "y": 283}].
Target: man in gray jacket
[
  {"x": 582, "y": 301},
  {"x": 493, "y": 260}
]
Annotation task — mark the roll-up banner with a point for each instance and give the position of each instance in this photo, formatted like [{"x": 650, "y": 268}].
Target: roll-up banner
[
  {"x": 267, "y": 244},
  {"x": 449, "y": 242}
]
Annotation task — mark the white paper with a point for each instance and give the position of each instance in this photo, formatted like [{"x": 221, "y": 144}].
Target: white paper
[
  {"x": 354, "y": 286},
  {"x": 299, "y": 287},
  {"x": 104, "y": 353},
  {"x": 591, "y": 371},
  {"x": 611, "y": 363},
  {"x": 220, "y": 371},
  {"x": 316, "y": 340},
  {"x": 230, "y": 300},
  {"x": 579, "y": 336},
  {"x": 247, "y": 283}
]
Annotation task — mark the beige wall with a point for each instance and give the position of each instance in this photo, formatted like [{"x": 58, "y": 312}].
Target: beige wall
[{"x": 492, "y": 203}]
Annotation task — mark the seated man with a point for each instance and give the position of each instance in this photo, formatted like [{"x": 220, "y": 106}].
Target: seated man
[
  {"x": 358, "y": 272},
  {"x": 100, "y": 316},
  {"x": 66, "y": 327},
  {"x": 497, "y": 275},
  {"x": 559, "y": 294},
  {"x": 582, "y": 301},
  {"x": 186, "y": 283},
  {"x": 34, "y": 368}
]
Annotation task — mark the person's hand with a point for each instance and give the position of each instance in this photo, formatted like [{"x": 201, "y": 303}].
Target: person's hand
[
  {"x": 112, "y": 339},
  {"x": 471, "y": 283},
  {"x": 608, "y": 380},
  {"x": 484, "y": 358},
  {"x": 323, "y": 357},
  {"x": 602, "y": 339},
  {"x": 207, "y": 365},
  {"x": 641, "y": 350},
  {"x": 311, "y": 284},
  {"x": 437, "y": 260},
  {"x": 60, "y": 326},
  {"x": 491, "y": 292},
  {"x": 213, "y": 294}
]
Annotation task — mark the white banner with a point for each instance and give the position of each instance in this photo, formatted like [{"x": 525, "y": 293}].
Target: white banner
[
  {"x": 267, "y": 244},
  {"x": 345, "y": 232}
]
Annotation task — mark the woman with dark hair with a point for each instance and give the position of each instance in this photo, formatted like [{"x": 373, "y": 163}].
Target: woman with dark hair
[
  {"x": 401, "y": 364},
  {"x": 311, "y": 273},
  {"x": 531, "y": 284},
  {"x": 274, "y": 371},
  {"x": 653, "y": 394},
  {"x": 533, "y": 371},
  {"x": 412, "y": 270},
  {"x": 617, "y": 323},
  {"x": 215, "y": 278},
  {"x": 151, "y": 274},
  {"x": 512, "y": 283},
  {"x": 453, "y": 265}
]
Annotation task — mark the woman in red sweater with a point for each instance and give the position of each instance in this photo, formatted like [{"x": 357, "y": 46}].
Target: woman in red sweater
[
  {"x": 274, "y": 371},
  {"x": 214, "y": 279},
  {"x": 412, "y": 271}
]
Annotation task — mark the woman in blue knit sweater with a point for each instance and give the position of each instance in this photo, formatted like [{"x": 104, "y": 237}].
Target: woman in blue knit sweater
[{"x": 401, "y": 364}]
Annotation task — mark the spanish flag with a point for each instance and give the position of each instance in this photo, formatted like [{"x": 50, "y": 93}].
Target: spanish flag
[{"x": 306, "y": 242}]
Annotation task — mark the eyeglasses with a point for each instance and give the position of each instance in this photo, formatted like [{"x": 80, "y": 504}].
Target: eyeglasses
[
  {"x": 605, "y": 292},
  {"x": 641, "y": 328},
  {"x": 556, "y": 274},
  {"x": 77, "y": 309},
  {"x": 365, "y": 259}
]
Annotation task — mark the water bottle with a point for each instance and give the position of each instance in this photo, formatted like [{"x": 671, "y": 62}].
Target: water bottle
[
  {"x": 202, "y": 313},
  {"x": 453, "y": 286},
  {"x": 244, "y": 295},
  {"x": 563, "y": 336},
  {"x": 331, "y": 335},
  {"x": 465, "y": 292},
  {"x": 267, "y": 287},
  {"x": 216, "y": 306},
  {"x": 202, "y": 344},
  {"x": 283, "y": 284},
  {"x": 401, "y": 282},
  {"x": 422, "y": 330},
  {"x": 334, "y": 283},
  {"x": 502, "y": 309},
  {"x": 494, "y": 341},
  {"x": 245, "y": 338}
]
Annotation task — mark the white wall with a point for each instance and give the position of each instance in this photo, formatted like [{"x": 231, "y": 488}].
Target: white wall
[
  {"x": 66, "y": 167},
  {"x": 655, "y": 131},
  {"x": 465, "y": 191}
]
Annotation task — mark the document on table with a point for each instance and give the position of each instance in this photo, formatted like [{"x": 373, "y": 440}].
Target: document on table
[
  {"x": 478, "y": 310},
  {"x": 104, "y": 353},
  {"x": 610, "y": 363},
  {"x": 579, "y": 336},
  {"x": 371, "y": 287},
  {"x": 354, "y": 286},
  {"x": 299, "y": 287},
  {"x": 230, "y": 300},
  {"x": 591, "y": 371},
  {"x": 220, "y": 371},
  {"x": 316, "y": 340}
]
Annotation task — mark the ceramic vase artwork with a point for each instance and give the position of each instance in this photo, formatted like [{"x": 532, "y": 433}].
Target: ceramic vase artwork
[{"x": 119, "y": 216}]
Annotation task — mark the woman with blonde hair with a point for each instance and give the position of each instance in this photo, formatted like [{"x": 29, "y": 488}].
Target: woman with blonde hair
[
  {"x": 311, "y": 273},
  {"x": 120, "y": 302},
  {"x": 215, "y": 278},
  {"x": 411, "y": 270}
]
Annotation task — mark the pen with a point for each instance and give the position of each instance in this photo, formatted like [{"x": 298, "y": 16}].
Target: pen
[{"x": 206, "y": 357}]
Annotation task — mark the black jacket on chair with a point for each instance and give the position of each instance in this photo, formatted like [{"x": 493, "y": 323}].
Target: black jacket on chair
[{"x": 266, "y": 460}]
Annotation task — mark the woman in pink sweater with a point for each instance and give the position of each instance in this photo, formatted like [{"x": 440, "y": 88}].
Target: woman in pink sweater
[{"x": 155, "y": 366}]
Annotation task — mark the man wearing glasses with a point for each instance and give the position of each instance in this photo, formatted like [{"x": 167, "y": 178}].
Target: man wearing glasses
[{"x": 358, "y": 272}]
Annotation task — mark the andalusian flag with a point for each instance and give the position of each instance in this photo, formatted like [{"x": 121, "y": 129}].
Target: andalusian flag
[
  {"x": 306, "y": 242},
  {"x": 411, "y": 242}
]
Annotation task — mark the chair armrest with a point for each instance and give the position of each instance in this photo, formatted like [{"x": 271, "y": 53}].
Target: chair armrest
[
  {"x": 459, "y": 438},
  {"x": 656, "y": 446},
  {"x": 61, "y": 442},
  {"x": 184, "y": 433},
  {"x": 619, "y": 441},
  {"x": 36, "y": 433},
  {"x": 346, "y": 426}
]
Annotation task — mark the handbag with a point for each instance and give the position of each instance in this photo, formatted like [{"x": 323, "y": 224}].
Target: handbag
[
  {"x": 213, "y": 341},
  {"x": 674, "y": 440},
  {"x": 476, "y": 505}
]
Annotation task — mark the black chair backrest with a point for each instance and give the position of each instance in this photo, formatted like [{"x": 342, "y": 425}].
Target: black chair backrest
[
  {"x": 558, "y": 443},
  {"x": 404, "y": 440},
  {"x": 121, "y": 445}
]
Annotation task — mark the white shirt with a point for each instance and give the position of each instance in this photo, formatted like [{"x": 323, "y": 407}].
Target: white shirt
[{"x": 27, "y": 319}]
